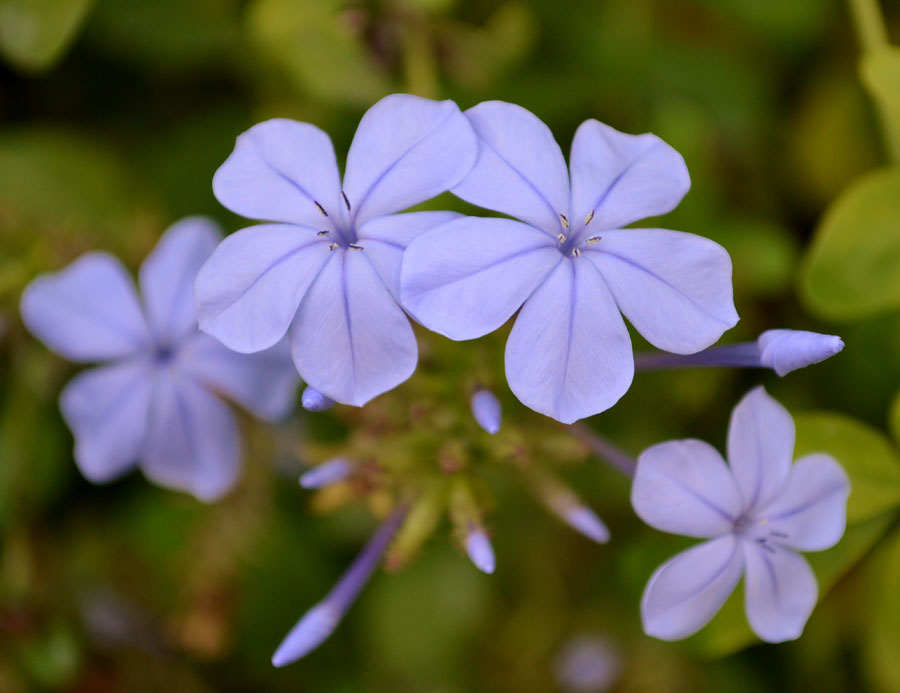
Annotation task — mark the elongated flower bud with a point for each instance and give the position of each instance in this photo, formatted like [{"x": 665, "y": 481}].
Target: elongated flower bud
[
  {"x": 327, "y": 473},
  {"x": 787, "y": 350},
  {"x": 320, "y": 621},
  {"x": 486, "y": 410},
  {"x": 479, "y": 548},
  {"x": 781, "y": 350},
  {"x": 313, "y": 400},
  {"x": 563, "y": 502}
]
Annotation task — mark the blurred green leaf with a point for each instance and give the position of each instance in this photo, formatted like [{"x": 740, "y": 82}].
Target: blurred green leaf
[
  {"x": 867, "y": 455},
  {"x": 853, "y": 267},
  {"x": 882, "y": 637},
  {"x": 35, "y": 33},
  {"x": 880, "y": 72},
  {"x": 894, "y": 417},
  {"x": 63, "y": 178},
  {"x": 317, "y": 44}
]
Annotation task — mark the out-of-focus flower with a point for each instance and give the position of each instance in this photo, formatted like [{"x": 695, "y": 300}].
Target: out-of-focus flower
[
  {"x": 155, "y": 404},
  {"x": 486, "y": 410},
  {"x": 756, "y": 513},
  {"x": 330, "y": 269},
  {"x": 569, "y": 264},
  {"x": 479, "y": 549},
  {"x": 784, "y": 351},
  {"x": 327, "y": 473},
  {"x": 588, "y": 664}
]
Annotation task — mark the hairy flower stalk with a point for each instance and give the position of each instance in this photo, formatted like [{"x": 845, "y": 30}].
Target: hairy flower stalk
[
  {"x": 783, "y": 351},
  {"x": 320, "y": 621}
]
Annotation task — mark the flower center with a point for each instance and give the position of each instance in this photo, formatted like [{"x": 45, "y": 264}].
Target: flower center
[
  {"x": 342, "y": 232},
  {"x": 755, "y": 530},
  {"x": 164, "y": 354},
  {"x": 571, "y": 238}
]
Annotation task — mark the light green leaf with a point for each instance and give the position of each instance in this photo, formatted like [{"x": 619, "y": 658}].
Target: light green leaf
[
  {"x": 853, "y": 267},
  {"x": 317, "y": 45},
  {"x": 894, "y": 417},
  {"x": 880, "y": 72},
  {"x": 729, "y": 631},
  {"x": 35, "y": 33},
  {"x": 882, "y": 636},
  {"x": 867, "y": 455}
]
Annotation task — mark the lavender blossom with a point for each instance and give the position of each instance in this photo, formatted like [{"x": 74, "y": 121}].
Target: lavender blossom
[
  {"x": 154, "y": 403},
  {"x": 755, "y": 514},
  {"x": 320, "y": 621},
  {"x": 329, "y": 269},
  {"x": 486, "y": 410},
  {"x": 569, "y": 263}
]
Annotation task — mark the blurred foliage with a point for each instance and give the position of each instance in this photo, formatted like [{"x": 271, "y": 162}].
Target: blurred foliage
[{"x": 114, "y": 116}]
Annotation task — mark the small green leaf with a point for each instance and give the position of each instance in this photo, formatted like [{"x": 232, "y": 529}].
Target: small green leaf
[
  {"x": 880, "y": 72},
  {"x": 853, "y": 267},
  {"x": 867, "y": 455},
  {"x": 35, "y": 33},
  {"x": 894, "y": 417},
  {"x": 882, "y": 636}
]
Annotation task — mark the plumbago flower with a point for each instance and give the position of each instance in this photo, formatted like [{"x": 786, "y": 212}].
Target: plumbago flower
[
  {"x": 330, "y": 269},
  {"x": 568, "y": 263},
  {"x": 155, "y": 403},
  {"x": 755, "y": 513}
]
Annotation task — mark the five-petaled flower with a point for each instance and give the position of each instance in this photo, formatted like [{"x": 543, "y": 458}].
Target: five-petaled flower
[
  {"x": 330, "y": 269},
  {"x": 569, "y": 263},
  {"x": 155, "y": 404},
  {"x": 755, "y": 513}
]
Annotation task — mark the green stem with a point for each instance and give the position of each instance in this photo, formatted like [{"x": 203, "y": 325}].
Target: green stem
[{"x": 869, "y": 24}]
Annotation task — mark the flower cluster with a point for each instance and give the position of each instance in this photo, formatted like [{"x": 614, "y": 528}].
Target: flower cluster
[{"x": 330, "y": 281}]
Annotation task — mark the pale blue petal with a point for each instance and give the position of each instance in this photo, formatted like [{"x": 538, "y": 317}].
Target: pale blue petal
[
  {"x": 760, "y": 448},
  {"x": 780, "y": 592},
  {"x": 466, "y": 278},
  {"x": 685, "y": 487},
  {"x": 520, "y": 169},
  {"x": 385, "y": 238},
  {"x": 264, "y": 383},
  {"x": 282, "y": 170},
  {"x": 351, "y": 341},
  {"x": 248, "y": 292},
  {"x": 569, "y": 353},
  {"x": 406, "y": 150},
  {"x": 167, "y": 277},
  {"x": 810, "y": 512},
  {"x": 106, "y": 408},
  {"x": 619, "y": 178},
  {"x": 674, "y": 287},
  {"x": 787, "y": 350},
  {"x": 87, "y": 312},
  {"x": 685, "y": 593},
  {"x": 192, "y": 442}
]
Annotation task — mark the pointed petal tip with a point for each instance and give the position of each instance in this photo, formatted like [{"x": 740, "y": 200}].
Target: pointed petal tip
[
  {"x": 311, "y": 631},
  {"x": 480, "y": 551},
  {"x": 785, "y": 351},
  {"x": 487, "y": 411},
  {"x": 583, "y": 520},
  {"x": 313, "y": 400}
]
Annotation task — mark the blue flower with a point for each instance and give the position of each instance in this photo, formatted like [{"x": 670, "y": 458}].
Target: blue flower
[
  {"x": 755, "y": 512},
  {"x": 330, "y": 269},
  {"x": 155, "y": 404},
  {"x": 568, "y": 263}
]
